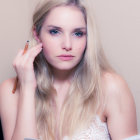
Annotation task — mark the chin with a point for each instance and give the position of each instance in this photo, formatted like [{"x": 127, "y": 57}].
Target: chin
[{"x": 64, "y": 67}]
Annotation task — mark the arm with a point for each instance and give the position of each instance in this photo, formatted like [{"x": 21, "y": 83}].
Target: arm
[
  {"x": 26, "y": 122},
  {"x": 23, "y": 115},
  {"x": 14, "y": 110},
  {"x": 120, "y": 108},
  {"x": 8, "y": 108}
]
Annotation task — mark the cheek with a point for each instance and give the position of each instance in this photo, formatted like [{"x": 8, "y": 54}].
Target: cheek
[
  {"x": 47, "y": 41},
  {"x": 81, "y": 46},
  {"x": 49, "y": 45}
]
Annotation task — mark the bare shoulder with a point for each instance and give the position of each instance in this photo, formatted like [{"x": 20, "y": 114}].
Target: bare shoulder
[
  {"x": 6, "y": 91},
  {"x": 7, "y": 84},
  {"x": 117, "y": 92},
  {"x": 8, "y": 106},
  {"x": 120, "y": 106},
  {"x": 115, "y": 87},
  {"x": 113, "y": 82}
]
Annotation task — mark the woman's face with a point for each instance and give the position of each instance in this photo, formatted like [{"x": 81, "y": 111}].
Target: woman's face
[{"x": 63, "y": 36}]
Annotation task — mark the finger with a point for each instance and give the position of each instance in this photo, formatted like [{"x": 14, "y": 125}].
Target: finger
[
  {"x": 19, "y": 54},
  {"x": 28, "y": 57},
  {"x": 35, "y": 47},
  {"x": 32, "y": 52},
  {"x": 31, "y": 56},
  {"x": 28, "y": 51}
]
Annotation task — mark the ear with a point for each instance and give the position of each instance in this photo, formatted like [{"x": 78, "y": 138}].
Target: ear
[{"x": 36, "y": 35}]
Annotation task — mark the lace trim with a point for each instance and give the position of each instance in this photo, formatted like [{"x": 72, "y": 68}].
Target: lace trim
[{"x": 97, "y": 130}]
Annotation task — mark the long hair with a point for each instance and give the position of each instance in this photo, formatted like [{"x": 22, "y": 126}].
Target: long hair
[{"x": 84, "y": 95}]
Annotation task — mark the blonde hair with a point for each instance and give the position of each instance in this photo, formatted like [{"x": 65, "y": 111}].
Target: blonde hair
[{"x": 84, "y": 95}]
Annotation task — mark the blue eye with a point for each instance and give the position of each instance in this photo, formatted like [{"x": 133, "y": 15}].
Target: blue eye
[
  {"x": 53, "y": 32},
  {"x": 79, "y": 34}
]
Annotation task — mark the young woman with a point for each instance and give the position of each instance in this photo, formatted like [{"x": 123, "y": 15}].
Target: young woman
[{"x": 66, "y": 88}]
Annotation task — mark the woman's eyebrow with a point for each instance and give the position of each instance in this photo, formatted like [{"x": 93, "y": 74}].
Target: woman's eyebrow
[
  {"x": 81, "y": 28},
  {"x": 59, "y": 28},
  {"x": 56, "y": 27}
]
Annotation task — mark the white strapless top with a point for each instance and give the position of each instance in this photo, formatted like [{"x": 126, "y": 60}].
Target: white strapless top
[{"x": 96, "y": 131}]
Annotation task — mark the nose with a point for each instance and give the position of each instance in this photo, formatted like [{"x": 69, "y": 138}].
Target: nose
[{"x": 67, "y": 43}]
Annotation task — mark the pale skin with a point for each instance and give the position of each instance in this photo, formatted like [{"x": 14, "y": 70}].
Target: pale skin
[{"x": 17, "y": 110}]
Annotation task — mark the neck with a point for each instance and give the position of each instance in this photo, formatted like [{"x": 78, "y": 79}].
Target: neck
[
  {"x": 62, "y": 76},
  {"x": 61, "y": 83}
]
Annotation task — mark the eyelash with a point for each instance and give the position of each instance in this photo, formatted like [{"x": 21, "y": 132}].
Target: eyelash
[
  {"x": 79, "y": 34},
  {"x": 55, "y": 32}
]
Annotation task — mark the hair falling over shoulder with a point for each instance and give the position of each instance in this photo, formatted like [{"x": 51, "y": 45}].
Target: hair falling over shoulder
[{"x": 83, "y": 98}]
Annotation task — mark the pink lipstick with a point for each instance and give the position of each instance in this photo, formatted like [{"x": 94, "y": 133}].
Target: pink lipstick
[{"x": 65, "y": 57}]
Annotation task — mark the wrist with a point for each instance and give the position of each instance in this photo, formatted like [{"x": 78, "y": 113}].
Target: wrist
[
  {"x": 28, "y": 85},
  {"x": 27, "y": 90}
]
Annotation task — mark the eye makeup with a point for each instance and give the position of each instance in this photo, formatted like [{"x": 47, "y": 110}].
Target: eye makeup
[
  {"x": 53, "y": 31},
  {"x": 79, "y": 33}
]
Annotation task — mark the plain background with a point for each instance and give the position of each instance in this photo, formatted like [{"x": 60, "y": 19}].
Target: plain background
[{"x": 119, "y": 27}]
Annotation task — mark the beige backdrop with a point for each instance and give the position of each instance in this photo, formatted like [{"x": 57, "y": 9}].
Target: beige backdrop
[{"x": 119, "y": 26}]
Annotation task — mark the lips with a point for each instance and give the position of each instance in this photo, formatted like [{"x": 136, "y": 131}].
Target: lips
[{"x": 65, "y": 57}]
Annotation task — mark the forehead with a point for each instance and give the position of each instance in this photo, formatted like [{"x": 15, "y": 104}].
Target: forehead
[{"x": 65, "y": 16}]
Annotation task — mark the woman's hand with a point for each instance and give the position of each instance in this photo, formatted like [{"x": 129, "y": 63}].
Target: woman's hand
[{"x": 23, "y": 64}]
